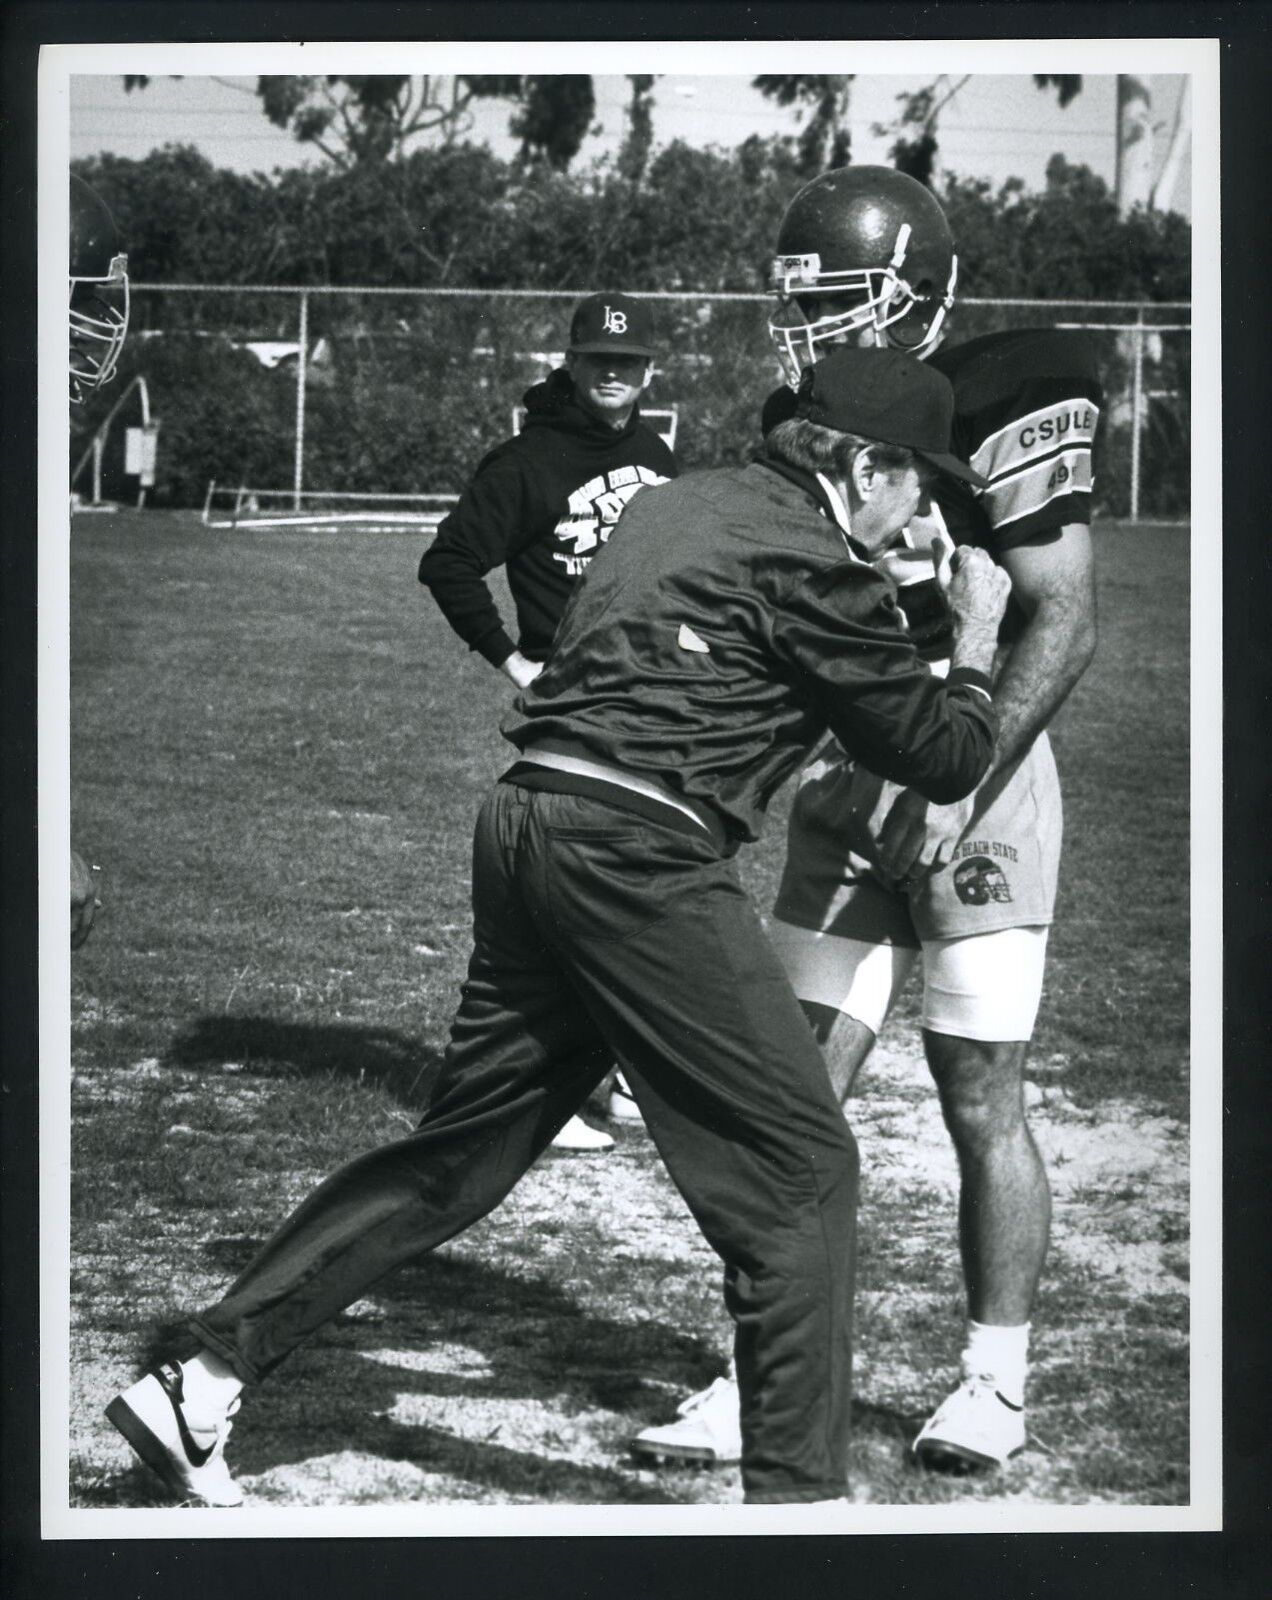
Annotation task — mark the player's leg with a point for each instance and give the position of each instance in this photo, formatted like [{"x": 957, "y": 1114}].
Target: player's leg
[
  {"x": 523, "y": 1054},
  {"x": 985, "y": 922},
  {"x": 846, "y": 939},
  {"x": 846, "y": 986},
  {"x": 1004, "y": 1199}
]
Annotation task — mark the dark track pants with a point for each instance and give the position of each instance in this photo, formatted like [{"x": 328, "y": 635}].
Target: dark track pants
[{"x": 599, "y": 933}]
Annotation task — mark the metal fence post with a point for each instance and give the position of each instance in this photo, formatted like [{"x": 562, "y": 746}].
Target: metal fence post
[
  {"x": 302, "y": 367},
  {"x": 1137, "y": 396}
]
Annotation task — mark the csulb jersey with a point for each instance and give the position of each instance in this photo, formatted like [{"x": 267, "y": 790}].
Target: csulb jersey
[{"x": 1026, "y": 406}]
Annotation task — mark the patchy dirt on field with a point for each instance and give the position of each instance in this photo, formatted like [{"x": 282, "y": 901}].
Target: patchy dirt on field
[{"x": 514, "y": 1365}]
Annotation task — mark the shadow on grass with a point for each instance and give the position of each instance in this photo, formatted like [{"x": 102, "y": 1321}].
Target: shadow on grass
[
  {"x": 446, "y": 1333},
  {"x": 264, "y": 1045}
]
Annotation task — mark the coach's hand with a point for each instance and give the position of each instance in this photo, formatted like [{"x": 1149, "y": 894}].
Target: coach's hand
[
  {"x": 977, "y": 596},
  {"x": 521, "y": 669},
  {"x": 918, "y": 837},
  {"x": 977, "y": 590}
]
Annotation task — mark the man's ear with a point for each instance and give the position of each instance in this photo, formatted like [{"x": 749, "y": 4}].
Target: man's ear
[
  {"x": 649, "y": 375},
  {"x": 864, "y": 472}
]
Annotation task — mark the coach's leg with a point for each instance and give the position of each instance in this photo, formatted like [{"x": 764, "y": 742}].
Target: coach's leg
[
  {"x": 522, "y": 1056},
  {"x": 736, "y": 1098},
  {"x": 855, "y": 980}
]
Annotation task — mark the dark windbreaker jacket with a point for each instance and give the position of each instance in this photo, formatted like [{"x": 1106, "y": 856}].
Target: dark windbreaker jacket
[{"x": 726, "y": 626}]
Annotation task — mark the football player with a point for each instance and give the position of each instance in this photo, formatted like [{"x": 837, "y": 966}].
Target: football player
[
  {"x": 98, "y": 327},
  {"x": 875, "y": 876},
  {"x": 98, "y": 292}
]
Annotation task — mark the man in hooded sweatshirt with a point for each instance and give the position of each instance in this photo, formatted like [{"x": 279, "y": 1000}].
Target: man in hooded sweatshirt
[{"x": 543, "y": 503}]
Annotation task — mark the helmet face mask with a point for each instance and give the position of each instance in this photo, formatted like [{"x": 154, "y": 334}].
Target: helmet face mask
[
  {"x": 861, "y": 251},
  {"x": 98, "y": 296}
]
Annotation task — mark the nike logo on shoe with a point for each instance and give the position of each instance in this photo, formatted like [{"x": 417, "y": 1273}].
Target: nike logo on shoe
[{"x": 169, "y": 1377}]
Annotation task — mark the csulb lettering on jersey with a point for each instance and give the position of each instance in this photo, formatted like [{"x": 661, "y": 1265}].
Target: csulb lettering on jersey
[{"x": 1026, "y": 408}]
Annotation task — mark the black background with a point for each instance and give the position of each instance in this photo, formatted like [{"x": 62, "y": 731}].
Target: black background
[{"x": 1235, "y": 1563}]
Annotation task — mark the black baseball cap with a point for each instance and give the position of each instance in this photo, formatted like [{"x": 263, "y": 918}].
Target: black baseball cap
[
  {"x": 612, "y": 324},
  {"x": 889, "y": 396}
]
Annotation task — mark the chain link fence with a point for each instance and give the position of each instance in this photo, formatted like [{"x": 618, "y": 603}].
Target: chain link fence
[{"x": 363, "y": 392}]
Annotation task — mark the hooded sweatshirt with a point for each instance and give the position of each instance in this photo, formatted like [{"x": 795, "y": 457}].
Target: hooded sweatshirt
[{"x": 540, "y": 504}]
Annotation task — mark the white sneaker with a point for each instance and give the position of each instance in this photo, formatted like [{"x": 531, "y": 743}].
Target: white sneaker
[
  {"x": 189, "y": 1458},
  {"x": 708, "y": 1430},
  {"x": 622, "y": 1102},
  {"x": 579, "y": 1136},
  {"x": 973, "y": 1427}
]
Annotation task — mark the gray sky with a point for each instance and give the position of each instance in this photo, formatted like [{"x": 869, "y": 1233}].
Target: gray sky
[{"x": 997, "y": 125}]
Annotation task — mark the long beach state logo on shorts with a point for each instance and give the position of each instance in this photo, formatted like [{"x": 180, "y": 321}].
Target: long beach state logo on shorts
[
  {"x": 978, "y": 881},
  {"x": 595, "y": 507}
]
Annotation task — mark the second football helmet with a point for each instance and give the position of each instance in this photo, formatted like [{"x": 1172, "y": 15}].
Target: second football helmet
[
  {"x": 98, "y": 292},
  {"x": 861, "y": 247}
]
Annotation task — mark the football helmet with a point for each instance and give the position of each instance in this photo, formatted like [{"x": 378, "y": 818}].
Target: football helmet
[
  {"x": 98, "y": 293},
  {"x": 861, "y": 247}
]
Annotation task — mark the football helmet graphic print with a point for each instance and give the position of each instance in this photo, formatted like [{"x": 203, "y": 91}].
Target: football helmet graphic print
[
  {"x": 978, "y": 881},
  {"x": 98, "y": 292},
  {"x": 861, "y": 247}
]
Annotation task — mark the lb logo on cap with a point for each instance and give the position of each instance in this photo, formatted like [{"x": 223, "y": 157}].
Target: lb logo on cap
[{"x": 612, "y": 324}]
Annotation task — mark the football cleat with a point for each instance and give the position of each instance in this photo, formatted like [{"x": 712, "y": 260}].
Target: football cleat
[
  {"x": 577, "y": 1135},
  {"x": 971, "y": 1429},
  {"x": 707, "y": 1431},
  {"x": 189, "y": 1457},
  {"x": 622, "y": 1102}
]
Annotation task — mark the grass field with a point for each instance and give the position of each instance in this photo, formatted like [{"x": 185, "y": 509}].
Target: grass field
[{"x": 278, "y": 749}]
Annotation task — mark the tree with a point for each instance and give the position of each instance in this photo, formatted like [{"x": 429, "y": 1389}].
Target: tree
[
  {"x": 1134, "y": 143},
  {"x": 915, "y": 149},
  {"x": 359, "y": 122},
  {"x": 555, "y": 114},
  {"x": 1067, "y": 85},
  {"x": 633, "y": 157},
  {"x": 1134, "y": 185},
  {"x": 826, "y": 141}
]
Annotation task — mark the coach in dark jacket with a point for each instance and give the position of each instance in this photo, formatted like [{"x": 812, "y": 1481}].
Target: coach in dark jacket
[
  {"x": 712, "y": 642},
  {"x": 544, "y": 502}
]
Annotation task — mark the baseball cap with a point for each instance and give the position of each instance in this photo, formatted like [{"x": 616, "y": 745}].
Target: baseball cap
[
  {"x": 606, "y": 324},
  {"x": 889, "y": 396}
]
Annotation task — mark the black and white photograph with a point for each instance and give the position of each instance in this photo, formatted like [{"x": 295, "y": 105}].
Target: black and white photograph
[{"x": 626, "y": 693}]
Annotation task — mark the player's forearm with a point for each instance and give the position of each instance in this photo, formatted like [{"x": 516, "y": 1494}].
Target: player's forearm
[{"x": 1041, "y": 669}]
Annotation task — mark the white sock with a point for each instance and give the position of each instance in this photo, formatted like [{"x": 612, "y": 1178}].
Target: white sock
[
  {"x": 210, "y": 1385},
  {"x": 1001, "y": 1354}
]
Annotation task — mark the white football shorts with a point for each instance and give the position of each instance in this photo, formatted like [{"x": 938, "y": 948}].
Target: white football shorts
[{"x": 986, "y": 986}]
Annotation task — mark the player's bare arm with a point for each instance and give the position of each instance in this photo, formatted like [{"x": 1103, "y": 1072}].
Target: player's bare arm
[{"x": 1054, "y": 581}]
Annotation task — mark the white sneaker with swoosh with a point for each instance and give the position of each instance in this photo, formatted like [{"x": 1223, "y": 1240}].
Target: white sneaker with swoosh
[
  {"x": 188, "y": 1455},
  {"x": 973, "y": 1427}
]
